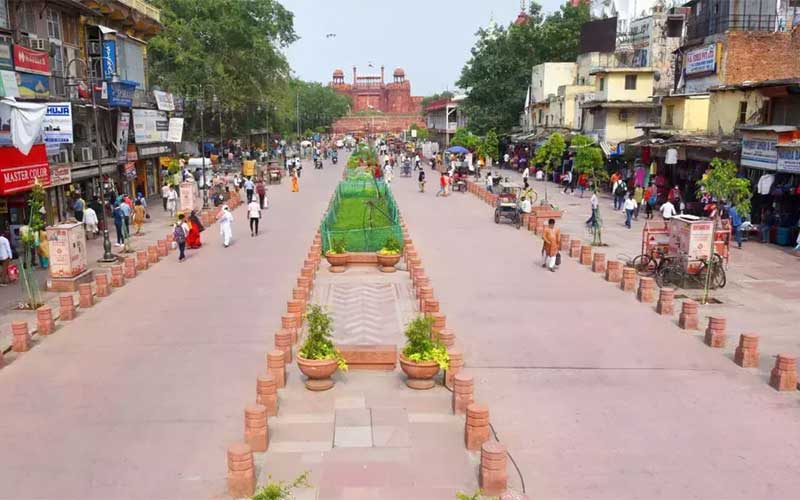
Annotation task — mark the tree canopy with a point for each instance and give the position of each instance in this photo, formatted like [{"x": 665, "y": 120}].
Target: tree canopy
[
  {"x": 498, "y": 73},
  {"x": 588, "y": 160},
  {"x": 722, "y": 183}
]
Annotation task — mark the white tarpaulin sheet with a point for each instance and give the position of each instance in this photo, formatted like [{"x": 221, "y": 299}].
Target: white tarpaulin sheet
[{"x": 26, "y": 122}]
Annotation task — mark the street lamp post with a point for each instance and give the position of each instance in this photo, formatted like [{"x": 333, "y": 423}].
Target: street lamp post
[
  {"x": 201, "y": 93},
  {"x": 108, "y": 256}
]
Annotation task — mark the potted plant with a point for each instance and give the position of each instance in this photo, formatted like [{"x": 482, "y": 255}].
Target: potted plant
[
  {"x": 422, "y": 357},
  {"x": 317, "y": 358},
  {"x": 389, "y": 255},
  {"x": 337, "y": 255}
]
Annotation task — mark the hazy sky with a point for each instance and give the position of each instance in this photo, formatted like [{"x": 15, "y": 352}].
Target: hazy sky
[{"x": 430, "y": 39}]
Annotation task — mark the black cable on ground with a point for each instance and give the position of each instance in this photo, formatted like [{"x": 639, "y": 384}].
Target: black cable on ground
[{"x": 514, "y": 462}]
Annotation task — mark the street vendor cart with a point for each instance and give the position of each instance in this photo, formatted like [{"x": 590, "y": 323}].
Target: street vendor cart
[
  {"x": 274, "y": 173},
  {"x": 508, "y": 204}
]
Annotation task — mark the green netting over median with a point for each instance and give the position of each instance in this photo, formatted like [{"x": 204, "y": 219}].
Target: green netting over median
[{"x": 364, "y": 213}]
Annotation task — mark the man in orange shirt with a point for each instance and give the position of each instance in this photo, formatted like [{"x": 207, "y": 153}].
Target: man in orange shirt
[{"x": 552, "y": 244}]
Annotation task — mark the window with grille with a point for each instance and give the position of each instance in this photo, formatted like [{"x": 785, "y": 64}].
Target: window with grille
[
  {"x": 669, "y": 115},
  {"x": 602, "y": 83},
  {"x": 53, "y": 24},
  {"x": 630, "y": 82},
  {"x": 27, "y": 18},
  {"x": 743, "y": 112}
]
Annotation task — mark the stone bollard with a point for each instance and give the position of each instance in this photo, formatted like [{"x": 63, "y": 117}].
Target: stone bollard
[
  {"x": 163, "y": 248},
  {"x": 746, "y": 354},
  {"x": 688, "y": 317},
  {"x": 532, "y": 224},
  {"x": 454, "y": 367},
  {"x": 439, "y": 322},
  {"x": 666, "y": 302},
  {"x": 586, "y": 255},
  {"x": 431, "y": 305},
  {"x": 599, "y": 263},
  {"x": 21, "y": 339},
  {"x": 628, "y": 282},
  {"x": 289, "y": 323},
  {"x": 141, "y": 260},
  {"x": 647, "y": 289},
  {"x": 255, "y": 427},
  {"x": 295, "y": 306},
  {"x": 423, "y": 282},
  {"x": 424, "y": 293},
  {"x": 66, "y": 308},
  {"x": 476, "y": 427},
  {"x": 575, "y": 248},
  {"x": 784, "y": 375},
  {"x": 85, "y": 297},
  {"x": 300, "y": 294},
  {"x": 152, "y": 254},
  {"x": 525, "y": 219},
  {"x": 307, "y": 272},
  {"x": 267, "y": 393},
  {"x": 715, "y": 332},
  {"x": 463, "y": 388},
  {"x": 168, "y": 238},
  {"x": 101, "y": 284},
  {"x": 614, "y": 271},
  {"x": 45, "y": 325},
  {"x": 283, "y": 343},
  {"x": 241, "y": 472},
  {"x": 494, "y": 477},
  {"x": 539, "y": 228},
  {"x": 130, "y": 268},
  {"x": 277, "y": 367},
  {"x": 564, "y": 243},
  {"x": 303, "y": 282},
  {"x": 447, "y": 337},
  {"x": 117, "y": 276}
]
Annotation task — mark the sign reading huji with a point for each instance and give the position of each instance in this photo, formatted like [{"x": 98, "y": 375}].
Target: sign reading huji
[
  {"x": 19, "y": 172},
  {"x": 31, "y": 61},
  {"x": 57, "y": 125},
  {"x": 702, "y": 60}
]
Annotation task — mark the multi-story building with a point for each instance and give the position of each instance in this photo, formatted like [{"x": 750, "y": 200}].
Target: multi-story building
[
  {"x": 60, "y": 52},
  {"x": 443, "y": 117}
]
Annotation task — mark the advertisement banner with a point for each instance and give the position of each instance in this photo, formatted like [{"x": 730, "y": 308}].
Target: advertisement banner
[
  {"x": 175, "y": 133},
  {"x": 150, "y": 125},
  {"x": 57, "y": 124},
  {"x": 760, "y": 151},
  {"x": 8, "y": 84},
  {"x": 164, "y": 100},
  {"x": 60, "y": 175},
  {"x": 120, "y": 94},
  {"x": 6, "y": 56},
  {"x": 109, "y": 58},
  {"x": 33, "y": 86},
  {"x": 31, "y": 61},
  {"x": 702, "y": 60},
  {"x": 67, "y": 244},
  {"x": 25, "y": 170},
  {"x": 123, "y": 124},
  {"x": 789, "y": 159}
]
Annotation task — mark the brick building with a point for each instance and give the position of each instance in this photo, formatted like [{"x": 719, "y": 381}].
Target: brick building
[{"x": 386, "y": 106}]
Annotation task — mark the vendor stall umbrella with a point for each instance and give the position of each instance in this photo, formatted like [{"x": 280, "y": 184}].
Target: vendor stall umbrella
[{"x": 459, "y": 150}]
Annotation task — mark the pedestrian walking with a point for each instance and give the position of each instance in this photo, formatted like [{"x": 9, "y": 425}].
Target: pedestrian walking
[
  {"x": 195, "y": 228},
  {"x": 5, "y": 259},
  {"x": 295, "y": 182},
  {"x": 249, "y": 189},
  {"x": 638, "y": 196},
  {"x": 629, "y": 205},
  {"x": 489, "y": 182},
  {"x": 261, "y": 191},
  {"x": 119, "y": 221},
  {"x": 172, "y": 201},
  {"x": 225, "y": 219},
  {"x": 552, "y": 245},
  {"x": 595, "y": 206},
  {"x": 650, "y": 198},
  {"x": 138, "y": 216},
  {"x": 78, "y": 207},
  {"x": 442, "y": 185},
  {"x": 566, "y": 181},
  {"x": 165, "y": 189},
  {"x": 179, "y": 233},
  {"x": 421, "y": 180},
  {"x": 91, "y": 221},
  {"x": 254, "y": 214},
  {"x": 619, "y": 190},
  {"x": 667, "y": 210},
  {"x": 736, "y": 224}
]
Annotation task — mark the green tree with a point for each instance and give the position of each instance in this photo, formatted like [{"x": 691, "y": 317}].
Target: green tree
[
  {"x": 422, "y": 132},
  {"x": 549, "y": 155},
  {"x": 491, "y": 145},
  {"x": 499, "y": 70},
  {"x": 435, "y": 97},
  {"x": 30, "y": 236},
  {"x": 589, "y": 160},
  {"x": 722, "y": 183},
  {"x": 465, "y": 138}
]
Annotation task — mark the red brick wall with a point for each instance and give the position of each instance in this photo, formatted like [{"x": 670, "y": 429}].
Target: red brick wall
[
  {"x": 381, "y": 124},
  {"x": 760, "y": 56}
]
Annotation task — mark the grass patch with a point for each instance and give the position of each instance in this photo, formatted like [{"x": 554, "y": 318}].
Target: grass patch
[{"x": 352, "y": 210}]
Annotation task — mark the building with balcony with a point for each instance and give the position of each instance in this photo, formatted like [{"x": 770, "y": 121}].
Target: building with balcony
[
  {"x": 443, "y": 118},
  {"x": 621, "y": 100}
]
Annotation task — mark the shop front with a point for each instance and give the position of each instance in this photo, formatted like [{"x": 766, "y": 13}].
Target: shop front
[
  {"x": 148, "y": 168},
  {"x": 18, "y": 174},
  {"x": 771, "y": 157}
]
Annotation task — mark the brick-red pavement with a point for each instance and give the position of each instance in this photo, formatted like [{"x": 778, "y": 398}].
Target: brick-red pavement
[
  {"x": 139, "y": 397},
  {"x": 596, "y": 395}
]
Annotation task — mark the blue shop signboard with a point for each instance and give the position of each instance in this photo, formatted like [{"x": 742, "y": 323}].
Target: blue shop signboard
[
  {"x": 109, "y": 58},
  {"x": 120, "y": 94}
]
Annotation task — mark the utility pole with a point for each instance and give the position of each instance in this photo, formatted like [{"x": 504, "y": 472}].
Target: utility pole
[{"x": 298, "y": 114}]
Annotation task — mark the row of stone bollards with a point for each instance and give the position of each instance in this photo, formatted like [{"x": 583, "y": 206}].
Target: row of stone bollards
[
  {"x": 241, "y": 466},
  {"x": 45, "y": 320},
  {"x": 493, "y": 475}
]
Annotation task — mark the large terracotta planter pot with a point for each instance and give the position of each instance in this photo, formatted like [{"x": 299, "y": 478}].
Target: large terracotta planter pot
[
  {"x": 338, "y": 261},
  {"x": 318, "y": 371},
  {"x": 387, "y": 262},
  {"x": 419, "y": 375}
]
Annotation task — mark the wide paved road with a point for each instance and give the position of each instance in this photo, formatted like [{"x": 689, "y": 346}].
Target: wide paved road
[
  {"x": 595, "y": 395},
  {"x": 139, "y": 397}
]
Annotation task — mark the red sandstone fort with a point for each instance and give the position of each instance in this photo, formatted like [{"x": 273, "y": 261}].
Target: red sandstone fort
[{"x": 388, "y": 106}]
